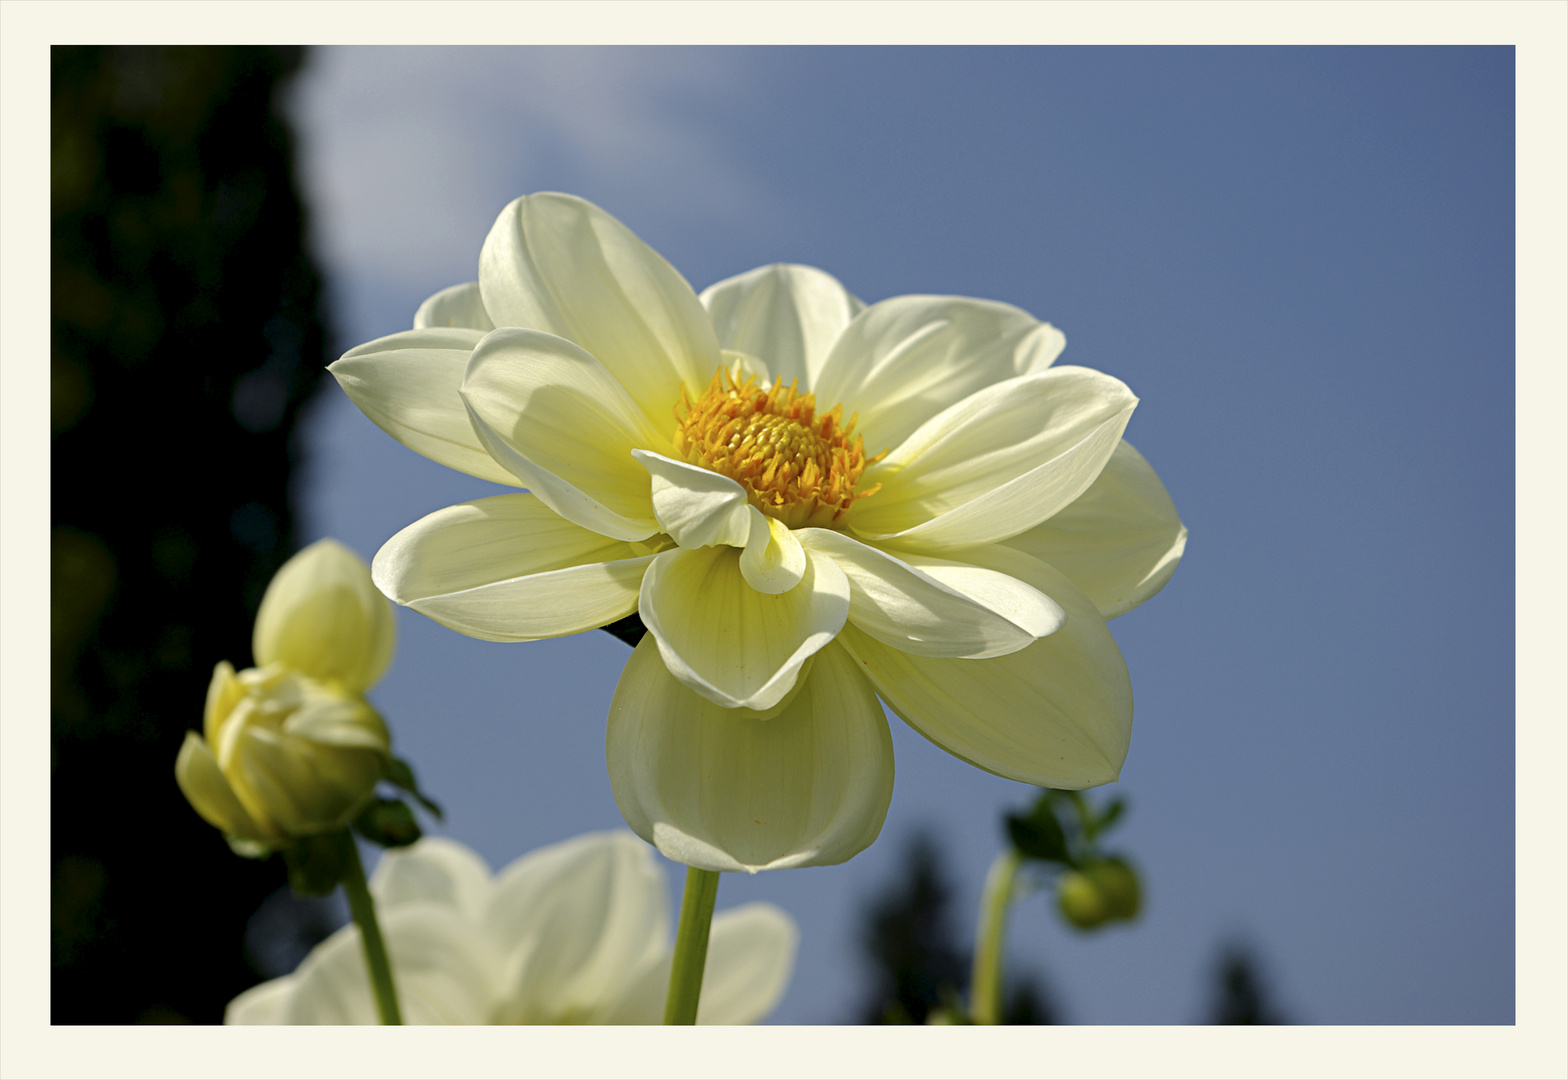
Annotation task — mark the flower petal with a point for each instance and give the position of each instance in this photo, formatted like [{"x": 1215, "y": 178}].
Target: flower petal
[
  {"x": 407, "y": 385},
  {"x": 904, "y": 360},
  {"x": 1119, "y": 541},
  {"x": 743, "y": 366},
  {"x": 788, "y": 315},
  {"x": 932, "y": 607},
  {"x": 1057, "y": 714},
  {"x": 997, "y": 463},
  {"x": 773, "y": 562},
  {"x": 209, "y": 793},
  {"x": 735, "y": 646},
  {"x": 573, "y": 921},
  {"x": 1021, "y": 604},
  {"x": 347, "y": 722},
  {"x": 697, "y": 507},
  {"x": 457, "y": 306},
  {"x": 223, "y": 693},
  {"x": 701, "y": 508},
  {"x": 444, "y": 972},
  {"x": 560, "y": 423},
  {"x": 433, "y": 870},
  {"x": 640, "y": 997},
  {"x": 265, "y": 1003},
  {"x": 300, "y": 786},
  {"x": 721, "y": 789},
  {"x": 751, "y": 955},
  {"x": 321, "y": 616},
  {"x": 508, "y": 568},
  {"x": 562, "y": 265}
]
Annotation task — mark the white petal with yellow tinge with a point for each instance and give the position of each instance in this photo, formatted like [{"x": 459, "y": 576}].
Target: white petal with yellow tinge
[
  {"x": 1057, "y": 714},
  {"x": 903, "y": 601},
  {"x": 998, "y": 462},
  {"x": 507, "y": 568},
  {"x": 561, "y": 423},
  {"x": 559, "y": 264},
  {"x": 738, "y": 647},
  {"x": 407, "y": 385},
  {"x": 905, "y": 359},
  {"x": 1120, "y": 541},
  {"x": 788, "y": 316},
  {"x": 722, "y": 789},
  {"x": 458, "y": 306}
]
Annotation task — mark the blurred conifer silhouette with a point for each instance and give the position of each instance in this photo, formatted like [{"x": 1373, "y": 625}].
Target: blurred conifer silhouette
[
  {"x": 920, "y": 965},
  {"x": 1240, "y": 994},
  {"x": 186, "y": 336}
]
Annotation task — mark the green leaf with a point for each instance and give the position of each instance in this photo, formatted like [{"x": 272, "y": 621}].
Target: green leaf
[
  {"x": 1038, "y": 835},
  {"x": 1111, "y": 813},
  {"x": 388, "y": 822},
  {"x": 315, "y": 864},
  {"x": 401, "y": 775}
]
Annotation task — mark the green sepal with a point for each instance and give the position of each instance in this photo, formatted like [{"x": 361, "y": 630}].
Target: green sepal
[
  {"x": 388, "y": 822},
  {"x": 315, "y": 864},
  {"x": 400, "y": 775}
]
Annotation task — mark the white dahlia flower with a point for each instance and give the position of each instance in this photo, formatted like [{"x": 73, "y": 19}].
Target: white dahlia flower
[
  {"x": 809, "y": 502},
  {"x": 574, "y": 933}
]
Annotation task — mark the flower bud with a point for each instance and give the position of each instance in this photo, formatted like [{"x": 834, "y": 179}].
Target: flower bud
[
  {"x": 291, "y": 748},
  {"x": 284, "y": 757},
  {"x": 1100, "y": 892},
  {"x": 322, "y": 617}
]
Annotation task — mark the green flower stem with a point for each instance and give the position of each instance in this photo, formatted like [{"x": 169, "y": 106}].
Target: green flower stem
[
  {"x": 363, "y": 909},
  {"x": 986, "y": 979},
  {"x": 691, "y": 946}
]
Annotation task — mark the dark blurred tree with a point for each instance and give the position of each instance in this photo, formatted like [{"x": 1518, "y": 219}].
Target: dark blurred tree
[
  {"x": 186, "y": 336},
  {"x": 920, "y": 965},
  {"x": 1240, "y": 993}
]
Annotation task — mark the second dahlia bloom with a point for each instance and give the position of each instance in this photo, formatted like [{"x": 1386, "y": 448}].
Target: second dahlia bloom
[
  {"x": 574, "y": 933},
  {"x": 809, "y": 502}
]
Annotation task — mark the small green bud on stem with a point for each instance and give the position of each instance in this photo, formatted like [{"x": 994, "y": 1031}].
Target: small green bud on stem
[{"x": 1102, "y": 891}]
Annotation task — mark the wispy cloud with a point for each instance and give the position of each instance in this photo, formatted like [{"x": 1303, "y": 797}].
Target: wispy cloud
[{"x": 409, "y": 153}]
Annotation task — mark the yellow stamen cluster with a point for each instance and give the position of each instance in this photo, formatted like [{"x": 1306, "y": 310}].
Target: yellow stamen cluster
[{"x": 796, "y": 466}]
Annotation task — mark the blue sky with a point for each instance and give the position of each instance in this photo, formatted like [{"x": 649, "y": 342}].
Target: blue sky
[{"x": 1302, "y": 262}]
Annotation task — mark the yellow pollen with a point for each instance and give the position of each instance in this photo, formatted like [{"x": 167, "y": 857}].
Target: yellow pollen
[{"x": 797, "y": 466}]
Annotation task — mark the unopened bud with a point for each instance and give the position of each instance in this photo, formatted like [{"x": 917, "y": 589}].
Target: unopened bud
[
  {"x": 291, "y": 749},
  {"x": 284, "y": 757},
  {"x": 1100, "y": 892}
]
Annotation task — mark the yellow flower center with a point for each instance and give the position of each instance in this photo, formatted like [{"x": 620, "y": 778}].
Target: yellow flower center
[{"x": 796, "y": 466}]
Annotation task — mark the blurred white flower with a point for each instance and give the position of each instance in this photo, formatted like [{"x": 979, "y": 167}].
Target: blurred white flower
[
  {"x": 574, "y": 933},
  {"x": 291, "y": 747},
  {"x": 704, "y": 463}
]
